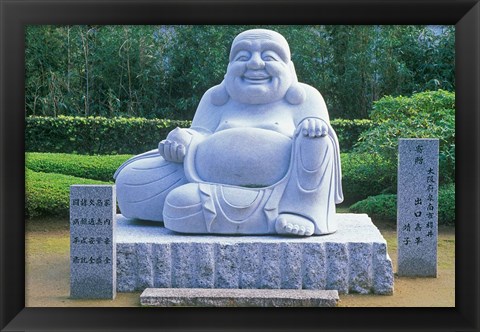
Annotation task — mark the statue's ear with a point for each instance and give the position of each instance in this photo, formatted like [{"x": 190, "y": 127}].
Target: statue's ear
[
  {"x": 220, "y": 95},
  {"x": 296, "y": 93}
]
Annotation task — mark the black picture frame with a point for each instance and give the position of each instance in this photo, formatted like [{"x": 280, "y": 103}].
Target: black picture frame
[{"x": 15, "y": 14}]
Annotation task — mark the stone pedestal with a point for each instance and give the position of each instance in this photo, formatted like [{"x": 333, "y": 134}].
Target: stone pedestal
[{"x": 352, "y": 260}]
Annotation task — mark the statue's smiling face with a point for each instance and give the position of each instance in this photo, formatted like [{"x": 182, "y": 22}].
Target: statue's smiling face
[{"x": 258, "y": 72}]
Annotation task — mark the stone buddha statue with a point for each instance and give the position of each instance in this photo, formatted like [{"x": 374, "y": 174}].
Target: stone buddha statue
[{"x": 259, "y": 158}]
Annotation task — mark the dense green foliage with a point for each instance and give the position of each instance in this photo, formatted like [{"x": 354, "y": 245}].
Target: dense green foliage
[
  {"x": 429, "y": 114},
  {"x": 385, "y": 206},
  {"x": 365, "y": 175},
  {"x": 99, "y": 168},
  {"x": 99, "y": 135},
  {"x": 96, "y": 135},
  {"x": 162, "y": 71},
  {"x": 48, "y": 193}
]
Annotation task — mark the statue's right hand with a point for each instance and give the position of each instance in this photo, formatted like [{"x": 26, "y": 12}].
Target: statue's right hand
[
  {"x": 175, "y": 146},
  {"x": 172, "y": 151}
]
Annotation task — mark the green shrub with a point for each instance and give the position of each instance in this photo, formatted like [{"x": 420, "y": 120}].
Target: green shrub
[
  {"x": 90, "y": 167},
  {"x": 378, "y": 207},
  {"x": 385, "y": 206},
  {"x": 365, "y": 175},
  {"x": 428, "y": 114},
  {"x": 446, "y": 203},
  {"x": 96, "y": 135},
  {"x": 48, "y": 193}
]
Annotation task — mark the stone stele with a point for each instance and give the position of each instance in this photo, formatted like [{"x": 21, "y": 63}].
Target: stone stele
[
  {"x": 93, "y": 262},
  {"x": 417, "y": 215},
  {"x": 259, "y": 158}
]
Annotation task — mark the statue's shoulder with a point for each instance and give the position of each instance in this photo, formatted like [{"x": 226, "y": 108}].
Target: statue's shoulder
[
  {"x": 209, "y": 110},
  {"x": 217, "y": 95},
  {"x": 312, "y": 94},
  {"x": 313, "y": 105}
]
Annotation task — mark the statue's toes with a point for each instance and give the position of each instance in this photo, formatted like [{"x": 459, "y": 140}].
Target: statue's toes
[
  {"x": 302, "y": 230},
  {"x": 282, "y": 226},
  {"x": 310, "y": 231},
  {"x": 294, "y": 225}
]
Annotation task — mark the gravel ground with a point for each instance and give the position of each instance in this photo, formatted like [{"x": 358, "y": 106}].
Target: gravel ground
[{"x": 47, "y": 273}]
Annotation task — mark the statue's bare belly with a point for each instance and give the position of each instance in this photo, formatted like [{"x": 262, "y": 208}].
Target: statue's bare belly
[{"x": 251, "y": 157}]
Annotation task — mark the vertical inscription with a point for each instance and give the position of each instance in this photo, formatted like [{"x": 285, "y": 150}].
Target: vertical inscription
[
  {"x": 92, "y": 241},
  {"x": 417, "y": 207}
]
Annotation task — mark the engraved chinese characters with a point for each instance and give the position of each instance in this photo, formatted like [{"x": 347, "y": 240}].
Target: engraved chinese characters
[
  {"x": 92, "y": 241},
  {"x": 417, "y": 217}
]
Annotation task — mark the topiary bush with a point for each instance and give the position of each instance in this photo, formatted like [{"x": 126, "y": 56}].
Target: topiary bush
[
  {"x": 84, "y": 166},
  {"x": 49, "y": 193},
  {"x": 365, "y": 175},
  {"x": 385, "y": 206},
  {"x": 428, "y": 114}
]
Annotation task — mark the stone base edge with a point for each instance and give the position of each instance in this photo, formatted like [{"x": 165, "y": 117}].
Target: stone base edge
[{"x": 201, "y": 297}]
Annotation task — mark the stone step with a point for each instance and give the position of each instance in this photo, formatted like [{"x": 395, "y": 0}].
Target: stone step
[
  {"x": 352, "y": 260},
  {"x": 201, "y": 297}
]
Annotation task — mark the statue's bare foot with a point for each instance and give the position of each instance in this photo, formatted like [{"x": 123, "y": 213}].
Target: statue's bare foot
[{"x": 292, "y": 224}]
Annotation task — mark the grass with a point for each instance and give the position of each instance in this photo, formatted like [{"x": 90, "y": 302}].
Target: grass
[
  {"x": 49, "y": 193},
  {"x": 100, "y": 167}
]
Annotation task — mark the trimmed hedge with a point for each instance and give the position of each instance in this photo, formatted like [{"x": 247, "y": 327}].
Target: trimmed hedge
[
  {"x": 96, "y": 135},
  {"x": 365, "y": 175},
  {"x": 49, "y": 193},
  {"x": 99, "y": 135},
  {"x": 90, "y": 167},
  {"x": 348, "y": 131},
  {"x": 385, "y": 206}
]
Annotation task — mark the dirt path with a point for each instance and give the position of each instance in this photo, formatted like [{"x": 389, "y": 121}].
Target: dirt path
[{"x": 47, "y": 269}]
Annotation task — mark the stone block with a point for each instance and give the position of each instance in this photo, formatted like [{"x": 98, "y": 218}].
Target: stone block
[
  {"x": 92, "y": 242},
  {"x": 352, "y": 260},
  {"x": 167, "y": 297},
  {"x": 417, "y": 215}
]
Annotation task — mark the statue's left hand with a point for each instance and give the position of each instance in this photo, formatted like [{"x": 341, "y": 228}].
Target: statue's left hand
[{"x": 312, "y": 127}]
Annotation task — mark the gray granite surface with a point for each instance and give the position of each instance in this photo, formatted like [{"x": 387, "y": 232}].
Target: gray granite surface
[
  {"x": 92, "y": 241},
  {"x": 352, "y": 260},
  {"x": 417, "y": 215},
  {"x": 166, "y": 297}
]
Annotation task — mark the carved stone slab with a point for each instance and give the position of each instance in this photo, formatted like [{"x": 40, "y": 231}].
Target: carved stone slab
[
  {"x": 417, "y": 215},
  {"x": 92, "y": 241}
]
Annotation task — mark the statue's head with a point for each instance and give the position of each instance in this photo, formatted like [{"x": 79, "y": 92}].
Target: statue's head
[{"x": 260, "y": 70}]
